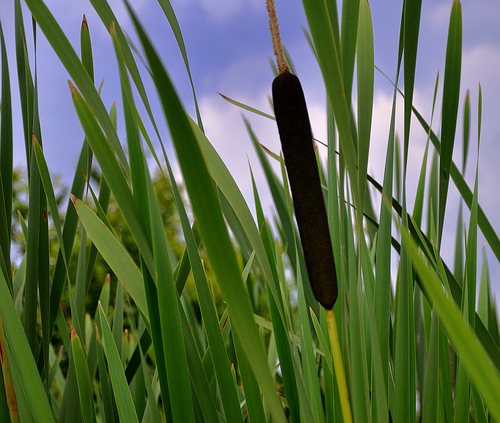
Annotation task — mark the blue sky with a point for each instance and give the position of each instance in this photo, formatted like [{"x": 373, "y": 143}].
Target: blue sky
[{"x": 229, "y": 48}]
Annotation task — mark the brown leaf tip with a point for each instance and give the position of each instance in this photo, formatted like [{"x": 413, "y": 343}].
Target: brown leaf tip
[
  {"x": 72, "y": 89},
  {"x": 34, "y": 139}
]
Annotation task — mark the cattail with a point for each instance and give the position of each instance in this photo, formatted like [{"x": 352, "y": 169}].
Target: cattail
[{"x": 297, "y": 144}]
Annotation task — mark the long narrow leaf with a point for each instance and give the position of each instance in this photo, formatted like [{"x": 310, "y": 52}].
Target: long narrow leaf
[
  {"x": 365, "y": 77},
  {"x": 83, "y": 378},
  {"x": 22, "y": 358},
  {"x": 6, "y": 160},
  {"x": 219, "y": 355},
  {"x": 124, "y": 403},
  {"x": 114, "y": 176},
  {"x": 115, "y": 255},
  {"x": 481, "y": 370},
  {"x": 452, "y": 72},
  {"x": 212, "y": 226}
]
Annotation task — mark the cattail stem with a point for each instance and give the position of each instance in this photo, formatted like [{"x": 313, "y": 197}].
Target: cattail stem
[
  {"x": 275, "y": 33},
  {"x": 339, "y": 366}
]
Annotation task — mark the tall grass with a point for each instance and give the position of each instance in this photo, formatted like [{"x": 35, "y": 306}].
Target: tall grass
[{"x": 424, "y": 351}]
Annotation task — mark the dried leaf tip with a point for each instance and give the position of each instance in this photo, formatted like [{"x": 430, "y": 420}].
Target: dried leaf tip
[
  {"x": 34, "y": 139},
  {"x": 72, "y": 89},
  {"x": 275, "y": 34},
  {"x": 72, "y": 198},
  {"x": 73, "y": 332},
  {"x": 84, "y": 22}
]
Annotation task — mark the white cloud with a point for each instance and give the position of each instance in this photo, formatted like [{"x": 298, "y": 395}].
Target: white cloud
[
  {"x": 382, "y": 109},
  {"x": 440, "y": 16},
  {"x": 482, "y": 12},
  {"x": 244, "y": 79},
  {"x": 480, "y": 65},
  {"x": 226, "y": 131}
]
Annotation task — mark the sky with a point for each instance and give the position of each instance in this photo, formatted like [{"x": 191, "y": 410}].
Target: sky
[{"x": 229, "y": 49}]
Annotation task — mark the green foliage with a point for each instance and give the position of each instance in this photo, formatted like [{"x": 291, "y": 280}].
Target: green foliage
[{"x": 144, "y": 300}]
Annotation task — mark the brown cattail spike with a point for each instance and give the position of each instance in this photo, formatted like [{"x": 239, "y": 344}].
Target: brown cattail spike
[{"x": 298, "y": 150}]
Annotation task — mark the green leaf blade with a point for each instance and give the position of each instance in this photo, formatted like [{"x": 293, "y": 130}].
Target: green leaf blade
[
  {"x": 212, "y": 226},
  {"x": 451, "y": 92}
]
